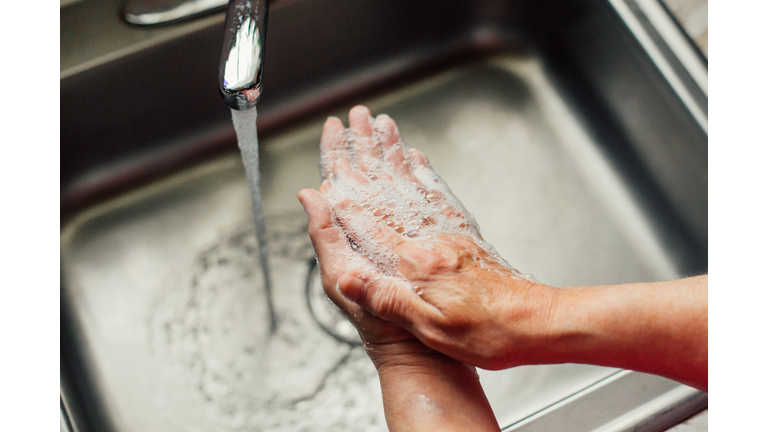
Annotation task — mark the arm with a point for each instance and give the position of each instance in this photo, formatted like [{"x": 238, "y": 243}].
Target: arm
[
  {"x": 659, "y": 328},
  {"x": 436, "y": 277},
  {"x": 425, "y": 390},
  {"x": 422, "y": 389}
]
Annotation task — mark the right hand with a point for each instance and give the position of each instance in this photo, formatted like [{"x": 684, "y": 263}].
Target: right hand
[{"x": 435, "y": 275}]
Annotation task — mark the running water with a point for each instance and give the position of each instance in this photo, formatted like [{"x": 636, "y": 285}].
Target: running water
[{"x": 248, "y": 141}]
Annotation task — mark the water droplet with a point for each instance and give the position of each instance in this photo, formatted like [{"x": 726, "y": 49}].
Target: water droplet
[
  {"x": 390, "y": 223},
  {"x": 399, "y": 229},
  {"x": 412, "y": 233}
]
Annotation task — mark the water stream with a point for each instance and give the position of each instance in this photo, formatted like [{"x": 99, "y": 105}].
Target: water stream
[{"x": 248, "y": 141}]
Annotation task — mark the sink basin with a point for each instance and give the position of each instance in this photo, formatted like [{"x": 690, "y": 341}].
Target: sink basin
[{"x": 583, "y": 160}]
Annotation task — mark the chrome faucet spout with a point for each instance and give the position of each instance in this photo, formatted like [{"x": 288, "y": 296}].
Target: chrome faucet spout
[{"x": 242, "y": 56}]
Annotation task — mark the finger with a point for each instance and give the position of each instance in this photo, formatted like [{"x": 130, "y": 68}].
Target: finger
[
  {"x": 325, "y": 187},
  {"x": 440, "y": 194},
  {"x": 363, "y": 143},
  {"x": 325, "y": 237},
  {"x": 419, "y": 159},
  {"x": 343, "y": 169},
  {"x": 333, "y": 146},
  {"x": 354, "y": 199},
  {"x": 350, "y": 183},
  {"x": 392, "y": 147},
  {"x": 334, "y": 253},
  {"x": 422, "y": 170},
  {"x": 436, "y": 187},
  {"x": 388, "y": 298},
  {"x": 371, "y": 234},
  {"x": 360, "y": 204}
]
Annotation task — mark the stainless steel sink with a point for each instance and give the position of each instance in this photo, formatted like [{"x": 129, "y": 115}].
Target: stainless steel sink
[{"x": 577, "y": 139}]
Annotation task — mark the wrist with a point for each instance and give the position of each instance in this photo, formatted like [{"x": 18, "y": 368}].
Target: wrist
[
  {"x": 594, "y": 324},
  {"x": 571, "y": 332},
  {"x": 424, "y": 390},
  {"x": 410, "y": 354},
  {"x": 536, "y": 321}
]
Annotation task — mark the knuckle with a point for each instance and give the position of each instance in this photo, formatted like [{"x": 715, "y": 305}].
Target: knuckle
[
  {"x": 388, "y": 302},
  {"x": 419, "y": 263},
  {"x": 446, "y": 259}
]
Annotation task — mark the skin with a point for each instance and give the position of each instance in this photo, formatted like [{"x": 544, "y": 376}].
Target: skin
[
  {"x": 452, "y": 298},
  {"x": 422, "y": 389}
]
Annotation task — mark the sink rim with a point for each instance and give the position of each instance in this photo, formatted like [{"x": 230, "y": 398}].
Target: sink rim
[{"x": 477, "y": 45}]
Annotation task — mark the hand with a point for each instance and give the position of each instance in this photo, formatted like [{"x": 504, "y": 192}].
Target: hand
[
  {"x": 395, "y": 246},
  {"x": 422, "y": 389},
  {"x": 336, "y": 256},
  {"x": 427, "y": 268}
]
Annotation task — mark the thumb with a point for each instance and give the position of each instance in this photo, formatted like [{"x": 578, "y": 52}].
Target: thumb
[{"x": 387, "y": 297}]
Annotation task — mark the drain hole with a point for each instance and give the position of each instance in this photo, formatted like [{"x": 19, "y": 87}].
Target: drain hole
[{"x": 327, "y": 315}]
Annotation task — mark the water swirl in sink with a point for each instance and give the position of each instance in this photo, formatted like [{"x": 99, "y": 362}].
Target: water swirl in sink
[{"x": 221, "y": 369}]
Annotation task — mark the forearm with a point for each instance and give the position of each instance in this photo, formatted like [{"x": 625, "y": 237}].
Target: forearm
[
  {"x": 659, "y": 328},
  {"x": 424, "y": 390}
]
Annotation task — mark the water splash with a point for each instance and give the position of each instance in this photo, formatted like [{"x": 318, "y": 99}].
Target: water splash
[{"x": 248, "y": 141}]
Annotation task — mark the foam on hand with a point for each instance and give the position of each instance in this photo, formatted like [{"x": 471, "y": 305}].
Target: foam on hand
[{"x": 371, "y": 201}]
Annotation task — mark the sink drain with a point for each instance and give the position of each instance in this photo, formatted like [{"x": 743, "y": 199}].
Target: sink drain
[{"x": 328, "y": 315}]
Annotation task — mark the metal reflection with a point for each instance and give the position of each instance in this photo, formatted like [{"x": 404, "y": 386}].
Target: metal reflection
[{"x": 242, "y": 54}]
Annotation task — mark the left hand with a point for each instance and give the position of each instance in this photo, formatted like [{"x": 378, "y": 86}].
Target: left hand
[{"x": 336, "y": 256}]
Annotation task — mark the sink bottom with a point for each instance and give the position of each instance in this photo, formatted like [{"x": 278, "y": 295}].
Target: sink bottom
[{"x": 166, "y": 295}]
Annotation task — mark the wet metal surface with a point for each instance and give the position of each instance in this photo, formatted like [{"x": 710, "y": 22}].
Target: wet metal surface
[{"x": 165, "y": 286}]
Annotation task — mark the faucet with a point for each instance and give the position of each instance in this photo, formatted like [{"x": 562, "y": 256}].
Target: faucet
[{"x": 242, "y": 56}]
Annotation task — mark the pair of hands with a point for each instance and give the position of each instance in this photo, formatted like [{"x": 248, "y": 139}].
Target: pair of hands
[{"x": 405, "y": 261}]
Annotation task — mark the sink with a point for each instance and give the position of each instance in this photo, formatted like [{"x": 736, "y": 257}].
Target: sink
[{"x": 575, "y": 132}]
